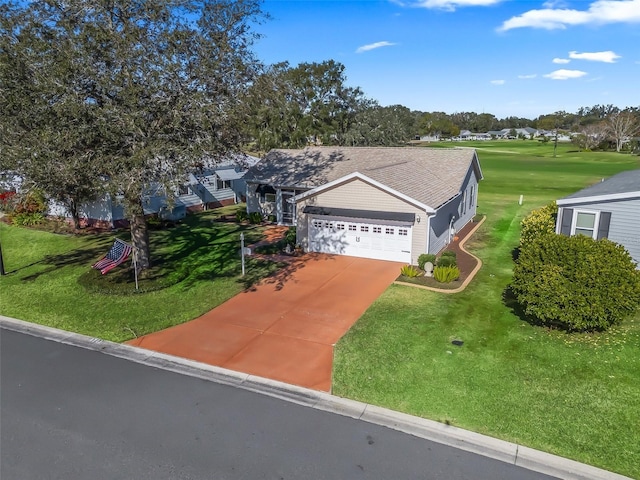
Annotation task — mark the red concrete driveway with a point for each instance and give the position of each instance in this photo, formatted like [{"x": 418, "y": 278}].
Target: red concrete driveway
[{"x": 286, "y": 327}]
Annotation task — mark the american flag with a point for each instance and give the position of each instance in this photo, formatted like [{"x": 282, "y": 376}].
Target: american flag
[{"x": 117, "y": 254}]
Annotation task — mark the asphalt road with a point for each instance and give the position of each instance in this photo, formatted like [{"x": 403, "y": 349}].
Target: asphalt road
[{"x": 70, "y": 413}]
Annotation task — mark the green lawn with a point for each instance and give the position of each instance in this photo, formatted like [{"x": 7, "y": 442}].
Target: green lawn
[
  {"x": 46, "y": 271},
  {"x": 573, "y": 395}
]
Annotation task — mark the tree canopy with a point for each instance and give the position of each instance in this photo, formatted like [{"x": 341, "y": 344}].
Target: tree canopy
[{"x": 129, "y": 93}]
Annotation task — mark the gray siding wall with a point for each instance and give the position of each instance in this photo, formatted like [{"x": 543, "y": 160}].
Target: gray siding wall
[
  {"x": 462, "y": 208},
  {"x": 254, "y": 204},
  {"x": 357, "y": 194},
  {"x": 625, "y": 222},
  {"x": 102, "y": 209}
]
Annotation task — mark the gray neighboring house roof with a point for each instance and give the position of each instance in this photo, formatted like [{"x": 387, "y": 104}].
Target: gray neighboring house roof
[
  {"x": 621, "y": 185},
  {"x": 431, "y": 176}
]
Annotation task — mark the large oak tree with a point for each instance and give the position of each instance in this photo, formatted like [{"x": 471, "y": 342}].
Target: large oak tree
[{"x": 125, "y": 94}]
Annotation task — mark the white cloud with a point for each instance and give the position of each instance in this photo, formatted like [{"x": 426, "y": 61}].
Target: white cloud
[
  {"x": 373, "y": 46},
  {"x": 564, "y": 74},
  {"x": 599, "y": 12},
  {"x": 497, "y": 82},
  {"x": 451, "y": 5},
  {"x": 524, "y": 77},
  {"x": 607, "y": 57},
  {"x": 560, "y": 60}
]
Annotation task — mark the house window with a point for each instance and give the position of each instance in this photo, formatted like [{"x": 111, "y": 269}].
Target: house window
[
  {"x": 352, "y": 228},
  {"x": 364, "y": 228},
  {"x": 317, "y": 224},
  {"x": 472, "y": 196},
  {"x": 184, "y": 190},
  {"x": 389, "y": 231},
  {"x": 340, "y": 226},
  {"x": 220, "y": 184},
  {"x": 377, "y": 229},
  {"x": 269, "y": 198},
  {"x": 403, "y": 232},
  {"x": 585, "y": 223}
]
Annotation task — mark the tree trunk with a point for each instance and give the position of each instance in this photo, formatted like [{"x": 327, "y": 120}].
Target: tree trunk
[
  {"x": 73, "y": 207},
  {"x": 139, "y": 234}
]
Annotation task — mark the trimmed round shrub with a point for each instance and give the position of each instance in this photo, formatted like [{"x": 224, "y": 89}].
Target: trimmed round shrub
[
  {"x": 576, "y": 283},
  {"x": 446, "y": 261},
  {"x": 424, "y": 258},
  {"x": 538, "y": 223}
]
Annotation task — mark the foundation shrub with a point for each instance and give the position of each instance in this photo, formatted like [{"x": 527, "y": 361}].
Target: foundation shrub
[
  {"x": 26, "y": 219},
  {"x": 410, "y": 271},
  {"x": 538, "y": 223},
  {"x": 242, "y": 215},
  {"x": 290, "y": 237},
  {"x": 424, "y": 258},
  {"x": 446, "y": 261},
  {"x": 446, "y": 274},
  {"x": 576, "y": 283},
  {"x": 255, "y": 217}
]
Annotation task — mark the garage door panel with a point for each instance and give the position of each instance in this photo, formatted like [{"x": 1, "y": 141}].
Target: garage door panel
[{"x": 360, "y": 239}]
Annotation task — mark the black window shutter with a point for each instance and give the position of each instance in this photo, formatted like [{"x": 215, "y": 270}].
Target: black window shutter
[
  {"x": 603, "y": 226},
  {"x": 565, "y": 224}
]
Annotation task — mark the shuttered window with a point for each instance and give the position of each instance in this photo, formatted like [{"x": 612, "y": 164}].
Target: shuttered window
[{"x": 585, "y": 224}]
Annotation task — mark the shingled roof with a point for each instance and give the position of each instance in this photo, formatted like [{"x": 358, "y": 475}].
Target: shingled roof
[
  {"x": 431, "y": 176},
  {"x": 622, "y": 185}
]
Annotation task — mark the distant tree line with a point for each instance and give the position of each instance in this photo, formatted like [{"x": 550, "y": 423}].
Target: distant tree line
[{"x": 294, "y": 106}]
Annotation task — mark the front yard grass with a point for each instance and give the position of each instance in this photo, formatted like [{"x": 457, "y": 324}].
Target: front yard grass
[
  {"x": 574, "y": 395},
  {"x": 47, "y": 281}
]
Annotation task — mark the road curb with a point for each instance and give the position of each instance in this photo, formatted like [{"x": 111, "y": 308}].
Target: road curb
[{"x": 504, "y": 451}]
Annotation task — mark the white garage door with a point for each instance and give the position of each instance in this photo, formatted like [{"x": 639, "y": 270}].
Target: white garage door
[{"x": 381, "y": 241}]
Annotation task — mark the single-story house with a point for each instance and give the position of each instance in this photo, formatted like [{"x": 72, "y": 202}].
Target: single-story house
[
  {"x": 204, "y": 188},
  {"x": 213, "y": 187},
  {"x": 384, "y": 203},
  {"x": 609, "y": 209}
]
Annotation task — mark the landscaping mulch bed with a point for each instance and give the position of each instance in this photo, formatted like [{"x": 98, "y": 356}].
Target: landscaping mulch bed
[{"x": 466, "y": 263}]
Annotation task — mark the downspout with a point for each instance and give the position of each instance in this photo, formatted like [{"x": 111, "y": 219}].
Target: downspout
[
  {"x": 428, "y": 231},
  {"x": 451, "y": 229}
]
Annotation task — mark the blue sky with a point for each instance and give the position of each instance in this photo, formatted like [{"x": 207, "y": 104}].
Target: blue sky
[{"x": 506, "y": 57}]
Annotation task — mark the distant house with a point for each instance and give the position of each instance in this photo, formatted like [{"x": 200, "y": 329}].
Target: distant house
[
  {"x": 383, "y": 203},
  {"x": 468, "y": 135},
  {"x": 609, "y": 209}
]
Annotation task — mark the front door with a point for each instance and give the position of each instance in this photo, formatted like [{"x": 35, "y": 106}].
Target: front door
[{"x": 288, "y": 207}]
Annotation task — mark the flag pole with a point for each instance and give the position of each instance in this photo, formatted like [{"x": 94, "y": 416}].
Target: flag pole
[{"x": 135, "y": 266}]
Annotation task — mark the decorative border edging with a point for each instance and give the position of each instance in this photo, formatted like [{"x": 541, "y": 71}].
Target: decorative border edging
[{"x": 466, "y": 280}]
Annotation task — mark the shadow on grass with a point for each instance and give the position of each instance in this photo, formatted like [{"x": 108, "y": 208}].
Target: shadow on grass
[
  {"x": 199, "y": 249},
  {"x": 74, "y": 257},
  {"x": 511, "y": 302}
]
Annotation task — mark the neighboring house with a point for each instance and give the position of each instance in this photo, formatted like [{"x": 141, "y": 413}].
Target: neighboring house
[
  {"x": 384, "y": 203},
  {"x": 498, "y": 133},
  {"x": 609, "y": 209},
  {"x": 215, "y": 187},
  {"x": 206, "y": 188}
]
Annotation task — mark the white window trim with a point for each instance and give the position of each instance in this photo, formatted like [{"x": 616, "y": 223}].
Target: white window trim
[{"x": 596, "y": 222}]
